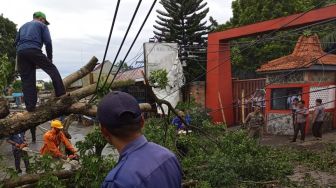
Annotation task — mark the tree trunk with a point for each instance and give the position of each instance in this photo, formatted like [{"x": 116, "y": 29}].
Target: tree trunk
[
  {"x": 4, "y": 109},
  {"x": 33, "y": 178}
]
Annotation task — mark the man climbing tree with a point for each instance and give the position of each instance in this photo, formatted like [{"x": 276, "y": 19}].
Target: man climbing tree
[{"x": 29, "y": 41}]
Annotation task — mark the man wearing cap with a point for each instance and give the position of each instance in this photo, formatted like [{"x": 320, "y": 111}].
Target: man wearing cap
[
  {"x": 29, "y": 41},
  {"x": 141, "y": 163},
  {"x": 52, "y": 140}
]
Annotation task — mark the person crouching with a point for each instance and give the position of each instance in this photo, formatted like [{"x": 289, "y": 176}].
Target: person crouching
[{"x": 53, "y": 139}]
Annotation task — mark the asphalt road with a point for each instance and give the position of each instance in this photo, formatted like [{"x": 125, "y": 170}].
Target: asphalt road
[{"x": 77, "y": 132}]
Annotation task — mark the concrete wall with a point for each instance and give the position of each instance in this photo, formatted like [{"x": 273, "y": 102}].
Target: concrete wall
[
  {"x": 320, "y": 76},
  {"x": 281, "y": 124},
  {"x": 197, "y": 92},
  {"x": 278, "y": 78}
]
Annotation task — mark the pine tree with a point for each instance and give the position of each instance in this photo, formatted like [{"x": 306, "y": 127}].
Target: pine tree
[{"x": 183, "y": 22}]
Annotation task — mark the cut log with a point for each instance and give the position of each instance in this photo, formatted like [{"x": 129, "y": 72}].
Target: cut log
[
  {"x": 67, "y": 81},
  {"x": 33, "y": 178}
]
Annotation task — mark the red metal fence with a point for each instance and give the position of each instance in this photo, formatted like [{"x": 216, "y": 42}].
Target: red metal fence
[{"x": 253, "y": 92}]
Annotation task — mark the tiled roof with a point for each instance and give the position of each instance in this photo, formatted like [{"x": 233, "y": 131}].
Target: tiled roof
[
  {"x": 307, "y": 49},
  {"x": 133, "y": 74}
]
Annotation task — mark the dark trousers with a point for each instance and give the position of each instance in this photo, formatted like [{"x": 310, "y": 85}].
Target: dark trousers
[
  {"x": 28, "y": 60},
  {"x": 18, "y": 154},
  {"x": 33, "y": 134},
  {"x": 317, "y": 129},
  {"x": 299, "y": 127}
]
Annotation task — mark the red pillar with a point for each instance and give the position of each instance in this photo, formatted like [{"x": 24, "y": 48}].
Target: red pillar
[{"x": 219, "y": 79}]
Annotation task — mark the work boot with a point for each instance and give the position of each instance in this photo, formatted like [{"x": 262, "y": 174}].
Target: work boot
[{"x": 31, "y": 109}]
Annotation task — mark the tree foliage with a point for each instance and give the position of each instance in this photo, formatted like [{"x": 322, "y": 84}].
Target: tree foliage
[
  {"x": 7, "y": 50},
  {"x": 183, "y": 22},
  {"x": 48, "y": 86},
  {"x": 124, "y": 67},
  {"x": 5, "y": 72},
  {"x": 245, "y": 12},
  {"x": 216, "y": 157},
  {"x": 158, "y": 78},
  {"x": 17, "y": 86}
]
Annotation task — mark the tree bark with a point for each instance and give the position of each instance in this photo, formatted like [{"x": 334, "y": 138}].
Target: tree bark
[{"x": 4, "y": 109}]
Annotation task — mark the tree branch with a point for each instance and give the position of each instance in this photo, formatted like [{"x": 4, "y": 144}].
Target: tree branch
[{"x": 172, "y": 109}]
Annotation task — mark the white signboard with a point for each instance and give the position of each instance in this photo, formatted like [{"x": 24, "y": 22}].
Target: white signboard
[{"x": 165, "y": 56}]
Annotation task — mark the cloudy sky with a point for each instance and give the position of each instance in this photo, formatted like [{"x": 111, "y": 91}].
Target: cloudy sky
[{"x": 79, "y": 29}]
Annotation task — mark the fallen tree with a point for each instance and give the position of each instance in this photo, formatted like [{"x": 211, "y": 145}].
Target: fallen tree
[
  {"x": 68, "y": 104},
  {"x": 71, "y": 103}
]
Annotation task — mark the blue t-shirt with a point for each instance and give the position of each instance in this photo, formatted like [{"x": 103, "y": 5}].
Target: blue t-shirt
[
  {"x": 178, "y": 123},
  {"x": 145, "y": 164},
  {"x": 17, "y": 138},
  {"x": 32, "y": 35}
]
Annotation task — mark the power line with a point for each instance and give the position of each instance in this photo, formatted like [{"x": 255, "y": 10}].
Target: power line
[
  {"x": 255, "y": 42},
  {"x": 292, "y": 113},
  {"x": 121, "y": 45},
  {"x": 130, "y": 48},
  {"x": 248, "y": 95},
  {"x": 108, "y": 43},
  {"x": 242, "y": 44},
  {"x": 136, "y": 37},
  {"x": 271, "y": 99}
]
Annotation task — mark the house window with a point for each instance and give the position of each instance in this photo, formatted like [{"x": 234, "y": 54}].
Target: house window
[{"x": 282, "y": 98}]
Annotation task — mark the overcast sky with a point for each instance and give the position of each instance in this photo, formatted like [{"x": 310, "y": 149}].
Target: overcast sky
[{"x": 79, "y": 28}]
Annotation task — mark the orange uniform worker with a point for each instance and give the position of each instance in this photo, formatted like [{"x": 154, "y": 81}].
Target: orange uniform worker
[{"x": 53, "y": 139}]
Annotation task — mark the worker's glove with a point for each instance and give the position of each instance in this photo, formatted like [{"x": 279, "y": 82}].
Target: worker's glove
[
  {"x": 73, "y": 157},
  {"x": 23, "y": 145},
  {"x": 17, "y": 146}
]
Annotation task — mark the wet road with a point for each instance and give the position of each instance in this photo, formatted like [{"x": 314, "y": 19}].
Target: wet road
[{"x": 77, "y": 132}]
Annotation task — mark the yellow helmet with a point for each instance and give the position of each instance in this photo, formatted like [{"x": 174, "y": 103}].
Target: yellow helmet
[{"x": 56, "y": 124}]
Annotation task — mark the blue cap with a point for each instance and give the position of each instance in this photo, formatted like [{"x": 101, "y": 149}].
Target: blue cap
[{"x": 117, "y": 109}]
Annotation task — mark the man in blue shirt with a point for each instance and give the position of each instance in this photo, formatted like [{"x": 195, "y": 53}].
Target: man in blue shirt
[
  {"x": 141, "y": 163},
  {"x": 18, "y": 141},
  {"x": 29, "y": 41},
  {"x": 178, "y": 123}
]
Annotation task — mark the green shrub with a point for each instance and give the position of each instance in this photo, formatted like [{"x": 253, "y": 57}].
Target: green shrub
[{"x": 158, "y": 78}]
